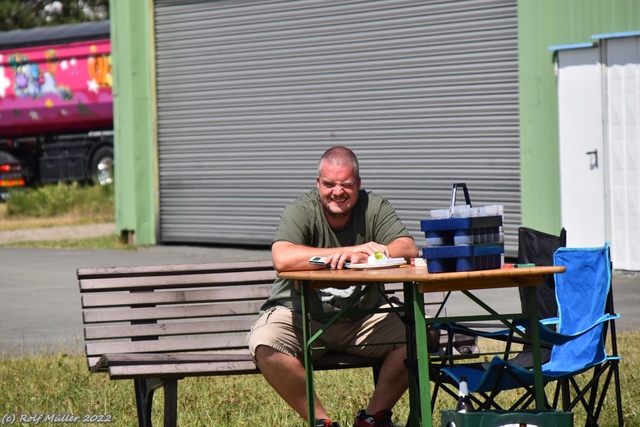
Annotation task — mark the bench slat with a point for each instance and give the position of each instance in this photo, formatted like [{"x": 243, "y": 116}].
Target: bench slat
[
  {"x": 179, "y": 269},
  {"x": 226, "y": 293},
  {"x": 172, "y": 312},
  {"x": 182, "y": 370},
  {"x": 195, "y": 343},
  {"x": 129, "y": 366},
  {"x": 167, "y": 329},
  {"x": 170, "y": 358},
  {"x": 174, "y": 281}
]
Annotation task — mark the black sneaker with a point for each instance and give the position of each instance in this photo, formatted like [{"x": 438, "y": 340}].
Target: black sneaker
[
  {"x": 380, "y": 419},
  {"x": 326, "y": 423}
]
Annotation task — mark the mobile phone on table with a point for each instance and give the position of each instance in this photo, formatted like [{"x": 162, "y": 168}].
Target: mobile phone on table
[{"x": 320, "y": 260}]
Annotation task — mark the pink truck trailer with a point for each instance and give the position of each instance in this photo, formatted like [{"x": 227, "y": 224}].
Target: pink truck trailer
[{"x": 56, "y": 105}]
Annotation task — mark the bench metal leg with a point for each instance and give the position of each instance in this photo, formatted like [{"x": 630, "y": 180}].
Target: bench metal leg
[
  {"x": 145, "y": 388},
  {"x": 170, "y": 403},
  {"x": 144, "y": 399}
]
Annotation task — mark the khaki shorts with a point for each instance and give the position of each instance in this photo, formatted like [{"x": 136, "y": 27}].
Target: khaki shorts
[{"x": 281, "y": 329}]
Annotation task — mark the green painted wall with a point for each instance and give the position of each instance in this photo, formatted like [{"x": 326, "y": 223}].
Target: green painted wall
[
  {"x": 134, "y": 120},
  {"x": 545, "y": 23}
]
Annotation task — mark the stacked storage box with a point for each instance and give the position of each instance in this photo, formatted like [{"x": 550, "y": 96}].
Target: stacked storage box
[
  {"x": 463, "y": 243},
  {"x": 546, "y": 418}
]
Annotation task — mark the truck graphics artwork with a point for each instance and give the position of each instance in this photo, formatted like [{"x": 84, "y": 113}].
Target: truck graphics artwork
[
  {"x": 30, "y": 81},
  {"x": 49, "y": 85}
]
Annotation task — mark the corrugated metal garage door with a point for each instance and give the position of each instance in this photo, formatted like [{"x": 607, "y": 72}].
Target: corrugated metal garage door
[{"x": 250, "y": 93}]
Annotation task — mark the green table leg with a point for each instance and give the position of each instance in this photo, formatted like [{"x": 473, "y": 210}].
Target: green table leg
[
  {"x": 310, "y": 339},
  {"x": 423, "y": 359},
  {"x": 308, "y": 365},
  {"x": 535, "y": 337},
  {"x": 412, "y": 356}
]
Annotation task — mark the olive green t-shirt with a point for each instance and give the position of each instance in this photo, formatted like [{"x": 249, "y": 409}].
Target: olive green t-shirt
[{"x": 303, "y": 223}]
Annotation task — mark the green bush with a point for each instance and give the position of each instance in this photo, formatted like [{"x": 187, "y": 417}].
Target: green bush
[{"x": 60, "y": 200}]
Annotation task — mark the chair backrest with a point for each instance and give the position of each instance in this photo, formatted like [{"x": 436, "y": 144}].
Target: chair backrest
[
  {"x": 581, "y": 294},
  {"x": 538, "y": 248}
]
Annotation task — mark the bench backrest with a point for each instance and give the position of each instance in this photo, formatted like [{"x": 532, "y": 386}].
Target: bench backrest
[
  {"x": 178, "y": 308},
  {"x": 202, "y": 307}
]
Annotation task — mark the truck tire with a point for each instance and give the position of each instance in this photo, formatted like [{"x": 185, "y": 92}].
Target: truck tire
[{"x": 102, "y": 166}]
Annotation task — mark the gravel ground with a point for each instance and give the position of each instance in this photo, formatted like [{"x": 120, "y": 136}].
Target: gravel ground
[{"x": 57, "y": 233}]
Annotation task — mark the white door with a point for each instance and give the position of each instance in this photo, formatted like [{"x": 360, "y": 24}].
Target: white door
[
  {"x": 623, "y": 150},
  {"x": 581, "y": 146}
]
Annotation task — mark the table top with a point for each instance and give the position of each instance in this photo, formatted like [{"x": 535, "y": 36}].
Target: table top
[{"x": 459, "y": 280}]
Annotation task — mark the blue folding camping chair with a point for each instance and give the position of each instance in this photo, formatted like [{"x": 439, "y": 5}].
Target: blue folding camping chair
[{"x": 585, "y": 318}]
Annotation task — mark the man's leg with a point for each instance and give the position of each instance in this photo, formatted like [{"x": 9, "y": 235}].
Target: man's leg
[
  {"x": 394, "y": 378},
  {"x": 275, "y": 341},
  {"x": 287, "y": 376},
  {"x": 392, "y": 383}
]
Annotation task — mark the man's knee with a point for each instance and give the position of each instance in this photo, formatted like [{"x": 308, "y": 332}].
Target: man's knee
[
  {"x": 263, "y": 352},
  {"x": 269, "y": 359},
  {"x": 275, "y": 330}
]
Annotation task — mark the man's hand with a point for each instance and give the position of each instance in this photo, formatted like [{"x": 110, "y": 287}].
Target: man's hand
[
  {"x": 355, "y": 254},
  {"x": 371, "y": 248},
  {"x": 339, "y": 258}
]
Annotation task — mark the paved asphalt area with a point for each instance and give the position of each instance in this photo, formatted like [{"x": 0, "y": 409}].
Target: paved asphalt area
[{"x": 40, "y": 303}]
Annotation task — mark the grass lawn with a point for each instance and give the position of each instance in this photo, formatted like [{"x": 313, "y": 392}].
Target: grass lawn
[
  {"x": 61, "y": 384},
  {"x": 61, "y": 205},
  {"x": 57, "y": 205}
]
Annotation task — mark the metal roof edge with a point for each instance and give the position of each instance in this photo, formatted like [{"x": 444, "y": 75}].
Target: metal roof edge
[
  {"x": 596, "y": 38},
  {"x": 615, "y": 35},
  {"x": 572, "y": 46}
]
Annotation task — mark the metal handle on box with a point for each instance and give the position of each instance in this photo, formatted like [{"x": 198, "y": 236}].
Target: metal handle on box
[{"x": 453, "y": 195}]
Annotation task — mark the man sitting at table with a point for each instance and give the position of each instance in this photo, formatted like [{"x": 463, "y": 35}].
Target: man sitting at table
[{"x": 344, "y": 223}]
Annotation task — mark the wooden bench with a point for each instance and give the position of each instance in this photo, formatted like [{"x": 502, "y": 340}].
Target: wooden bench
[{"x": 159, "y": 324}]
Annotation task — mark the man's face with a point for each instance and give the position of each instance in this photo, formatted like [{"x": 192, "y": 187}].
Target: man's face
[{"x": 338, "y": 188}]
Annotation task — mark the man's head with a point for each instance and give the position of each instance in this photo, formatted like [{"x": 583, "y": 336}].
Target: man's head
[{"x": 338, "y": 182}]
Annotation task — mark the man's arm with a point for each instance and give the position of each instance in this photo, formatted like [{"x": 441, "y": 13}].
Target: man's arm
[
  {"x": 288, "y": 256},
  {"x": 403, "y": 247}
]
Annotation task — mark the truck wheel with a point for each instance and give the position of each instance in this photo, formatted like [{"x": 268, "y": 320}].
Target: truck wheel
[{"x": 102, "y": 166}]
